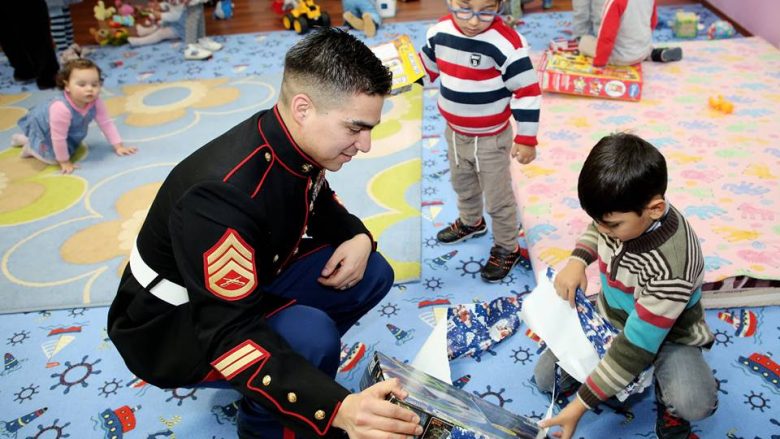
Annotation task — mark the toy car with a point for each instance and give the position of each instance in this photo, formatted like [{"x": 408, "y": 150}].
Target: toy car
[{"x": 304, "y": 15}]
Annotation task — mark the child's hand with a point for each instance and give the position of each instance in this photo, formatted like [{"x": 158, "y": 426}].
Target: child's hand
[
  {"x": 524, "y": 154},
  {"x": 124, "y": 150},
  {"x": 569, "y": 279},
  {"x": 67, "y": 167},
  {"x": 568, "y": 419}
]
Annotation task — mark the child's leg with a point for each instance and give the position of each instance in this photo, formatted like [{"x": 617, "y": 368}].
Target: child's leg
[
  {"x": 544, "y": 374},
  {"x": 61, "y": 27},
  {"x": 496, "y": 182},
  {"x": 192, "y": 19},
  {"x": 687, "y": 386},
  {"x": 587, "y": 45},
  {"x": 581, "y": 18},
  {"x": 460, "y": 154}
]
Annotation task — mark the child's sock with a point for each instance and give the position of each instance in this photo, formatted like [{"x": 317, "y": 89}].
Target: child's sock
[
  {"x": 666, "y": 54},
  {"x": 353, "y": 21},
  {"x": 369, "y": 27},
  {"x": 19, "y": 140}
]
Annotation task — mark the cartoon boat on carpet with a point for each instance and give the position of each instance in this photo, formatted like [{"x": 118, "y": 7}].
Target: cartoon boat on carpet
[
  {"x": 764, "y": 366},
  {"x": 350, "y": 358}
]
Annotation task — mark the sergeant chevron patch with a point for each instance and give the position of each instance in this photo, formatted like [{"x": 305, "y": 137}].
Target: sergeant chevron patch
[{"x": 229, "y": 267}]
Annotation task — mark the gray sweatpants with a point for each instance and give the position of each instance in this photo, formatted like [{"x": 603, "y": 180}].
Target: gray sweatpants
[{"x": 479, "y": 167}]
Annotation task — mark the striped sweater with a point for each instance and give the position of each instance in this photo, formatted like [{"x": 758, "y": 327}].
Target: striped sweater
[
  {"x": 485, "y": 79},
  {"x": 651, "y": 291}
]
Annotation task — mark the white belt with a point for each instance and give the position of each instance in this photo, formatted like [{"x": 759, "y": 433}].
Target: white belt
[{"x": 165, "y": 290}]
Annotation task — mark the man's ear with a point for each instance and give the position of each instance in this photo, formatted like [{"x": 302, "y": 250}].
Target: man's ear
[
  {"x": 657, "y": 207},
  {"x": 302, "y": 107}
]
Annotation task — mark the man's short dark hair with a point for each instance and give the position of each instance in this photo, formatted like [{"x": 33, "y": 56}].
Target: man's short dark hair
[
  {"x": 329, "y": 63},
  {"x": 622, "y": 173}
]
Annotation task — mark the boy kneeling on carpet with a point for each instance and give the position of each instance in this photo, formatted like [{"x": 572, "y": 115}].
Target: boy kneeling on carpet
[{"x": 652, "y": 270}]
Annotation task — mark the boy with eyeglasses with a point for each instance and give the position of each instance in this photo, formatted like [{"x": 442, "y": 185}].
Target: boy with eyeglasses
[{"x": 487, "y": 81}]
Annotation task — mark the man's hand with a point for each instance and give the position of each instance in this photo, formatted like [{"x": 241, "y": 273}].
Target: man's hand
[
  {"x": 569, "y": 279},
  {"x": 568, "y": 419},
  {"x": 346, "y": 266},
  {"x": 368, "y": 415},
  {"x": 524, "y": 154}
]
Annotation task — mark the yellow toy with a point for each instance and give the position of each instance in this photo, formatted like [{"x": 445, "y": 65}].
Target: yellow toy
[
  {"x": 721, "y": 104},
  {"x": 304, "y": 15}
]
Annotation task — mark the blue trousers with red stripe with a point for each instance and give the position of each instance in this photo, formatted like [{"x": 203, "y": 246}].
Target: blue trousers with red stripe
[{"x": 327, "y": 312}]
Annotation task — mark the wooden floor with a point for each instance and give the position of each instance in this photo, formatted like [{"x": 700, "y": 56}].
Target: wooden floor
[{"x": 257, "y": 15}]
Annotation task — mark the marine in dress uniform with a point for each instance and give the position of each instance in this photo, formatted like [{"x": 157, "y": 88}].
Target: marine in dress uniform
[{"x": 222, "y": 284}]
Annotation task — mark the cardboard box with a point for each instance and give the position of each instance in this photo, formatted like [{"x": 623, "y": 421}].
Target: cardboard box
[
  {"x": 572, "y": 73},
  {"x": 447, "y": 412},
  {"x": 400, "y": 56}
]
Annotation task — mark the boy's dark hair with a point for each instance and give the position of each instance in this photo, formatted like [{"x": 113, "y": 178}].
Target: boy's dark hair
[
  {"x": 622, "y": 173},
  {"x": 75, "y": 64},
  {"x": 330, "y": 63}
]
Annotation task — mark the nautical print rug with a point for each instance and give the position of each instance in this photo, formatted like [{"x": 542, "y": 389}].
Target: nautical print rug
[
  {"x": 66, "y": 238},
  {"x": 58, "y": 359}
]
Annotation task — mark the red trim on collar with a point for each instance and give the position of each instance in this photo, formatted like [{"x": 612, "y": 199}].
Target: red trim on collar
[{"x": 289, "y": 137}]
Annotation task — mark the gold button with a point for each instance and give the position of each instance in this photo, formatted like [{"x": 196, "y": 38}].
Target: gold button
[
  {"x": 268, "y": 156},
  {"x": 267, "y": 380},
  {"x": 319, "y": 415},
  {"x": 292, "y": 397},
  {"x": 306, "y": 168},
  {"x": 276, "y": 258}
]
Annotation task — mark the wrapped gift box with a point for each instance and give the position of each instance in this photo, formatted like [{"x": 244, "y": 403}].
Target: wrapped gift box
[
  {"x": 571, "y": 73},
  {"x": 445, "y": 411}
]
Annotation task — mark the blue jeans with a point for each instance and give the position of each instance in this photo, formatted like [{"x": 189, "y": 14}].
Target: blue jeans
[
  {"x": 327, "y": 312},
  {"x": 687, "y": 387}
]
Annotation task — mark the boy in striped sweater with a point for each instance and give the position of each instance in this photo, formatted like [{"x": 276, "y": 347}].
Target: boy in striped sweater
[
  {"x": 652, "y": 269},
  {"x": 487, "y": 81}
]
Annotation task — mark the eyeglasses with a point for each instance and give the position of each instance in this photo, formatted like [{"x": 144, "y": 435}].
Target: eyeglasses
[{"x": 467, "y": 14}]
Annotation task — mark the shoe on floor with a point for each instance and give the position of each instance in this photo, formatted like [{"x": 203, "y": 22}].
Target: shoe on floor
[
  {"x": 666, "y": 54},
  {"x": 195, "y": 52},
  {"x": 457, "y": 231},
  {"x": 668, "y": 426},
  {"x": 500, "y": 263},
  {"x": 209, "y": 44}
]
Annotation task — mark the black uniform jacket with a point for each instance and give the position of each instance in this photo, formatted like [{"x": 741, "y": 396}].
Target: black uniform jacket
[{"x": 226, "y": 221}]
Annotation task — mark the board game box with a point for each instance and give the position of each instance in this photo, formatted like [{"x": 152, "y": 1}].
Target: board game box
[
  {"x": 445, "y": 411},
  {"x": 402, "y": 59},
  {"x": 572, "y": 73}
]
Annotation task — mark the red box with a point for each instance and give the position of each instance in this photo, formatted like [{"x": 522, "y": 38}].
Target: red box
[{"x": 563, "y": 72}]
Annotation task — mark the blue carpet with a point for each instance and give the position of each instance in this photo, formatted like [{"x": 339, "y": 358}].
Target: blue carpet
[{"x": 59, "y": 370}]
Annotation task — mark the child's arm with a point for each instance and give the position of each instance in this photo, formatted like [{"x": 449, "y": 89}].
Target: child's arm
[
  {"x": 521, "y": 79},
  {"x": 59, "y": 124},
  {"x": 610, "y": 25},
  {"x": 428, "y": 56},
  {"x": 109, "y": 129},
  {"x": 572, "y": 276}
]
